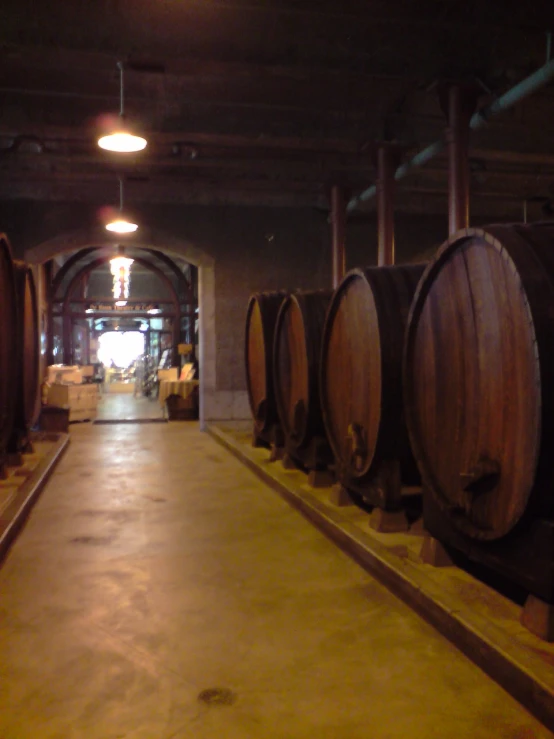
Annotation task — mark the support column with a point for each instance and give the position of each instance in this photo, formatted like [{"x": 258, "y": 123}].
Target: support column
[
  {"x": 387, "y": 160},
  {"x": 459, "y": 107},
  {"x": 338, "y": 225}
]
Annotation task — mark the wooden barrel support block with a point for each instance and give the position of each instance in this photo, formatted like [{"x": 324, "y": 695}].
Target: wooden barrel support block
[
  {"x": 8, "y": 342},
  {"x": 296, "y": 358},
  {"x": 361, "y": 382},
  {"x": 538, "y": 617},
  {"x": 261, "y": 317}
]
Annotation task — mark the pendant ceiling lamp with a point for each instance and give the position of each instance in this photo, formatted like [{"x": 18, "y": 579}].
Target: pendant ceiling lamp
[
  {"x": 120, "y": 224},
  {"x": 120, "y": 267},
  {"x": 122, "y": 140}
]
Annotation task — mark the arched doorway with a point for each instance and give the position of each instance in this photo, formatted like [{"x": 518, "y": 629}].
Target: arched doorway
[{"x": 160, "y": 254}]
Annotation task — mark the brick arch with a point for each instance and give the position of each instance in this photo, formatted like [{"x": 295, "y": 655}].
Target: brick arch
[
  {"x": 172, "y": 246},
  {"x": 146, "y": 238}
]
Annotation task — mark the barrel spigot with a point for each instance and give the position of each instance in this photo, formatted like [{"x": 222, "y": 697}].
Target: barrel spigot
[{"x": 483, "y": 477}]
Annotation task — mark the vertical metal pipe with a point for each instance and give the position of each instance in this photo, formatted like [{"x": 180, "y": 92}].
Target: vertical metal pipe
[
  {"x": 338, "y": 225},
  {"x": 525, "y": 210},
  {"x": 458, "y": 160},
  {"x": 386, "y": 165},
  {"x": 121, "y": 90}
]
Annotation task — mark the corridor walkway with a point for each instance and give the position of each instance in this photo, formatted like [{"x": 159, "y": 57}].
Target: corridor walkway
[
  {"x": 159, "y": 590},
  {"x": 125, "y": 407}
]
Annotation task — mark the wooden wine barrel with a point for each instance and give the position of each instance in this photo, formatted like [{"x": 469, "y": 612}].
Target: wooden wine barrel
[
  {"x": 261, "y": 317},
  {"x": 479, "y": 378},
  {"x": 361, "y": 374},
  {"x": 296, "y": 358},
  {"x": 27, "y": 358},
  {"x": 8, "y": 340}
]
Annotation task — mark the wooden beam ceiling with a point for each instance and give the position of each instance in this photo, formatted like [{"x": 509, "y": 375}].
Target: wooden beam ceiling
[{"x": 262, "y": 104}]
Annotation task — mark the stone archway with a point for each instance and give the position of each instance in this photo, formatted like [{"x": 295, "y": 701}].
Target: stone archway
[{"x": 171, "y": 245}]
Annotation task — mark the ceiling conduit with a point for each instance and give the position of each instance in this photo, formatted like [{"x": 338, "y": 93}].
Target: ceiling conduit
[{"x": 523, "y": 89}]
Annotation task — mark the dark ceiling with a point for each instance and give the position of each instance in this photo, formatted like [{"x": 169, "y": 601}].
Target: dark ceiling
[{"x": 267, "y": 103}]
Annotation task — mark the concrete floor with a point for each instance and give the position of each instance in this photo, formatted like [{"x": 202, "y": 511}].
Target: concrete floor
[
  {"x": 124, "y": 406},
  {"x": 156, "y": 566}
]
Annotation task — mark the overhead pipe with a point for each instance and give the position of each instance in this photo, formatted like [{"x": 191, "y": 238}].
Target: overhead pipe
[{"x": 523, "y": 89}]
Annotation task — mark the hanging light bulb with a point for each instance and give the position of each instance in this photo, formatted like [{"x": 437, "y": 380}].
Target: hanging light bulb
[
  {"x": 121, "y": 225},
  {"x": 122, "y": 140}
]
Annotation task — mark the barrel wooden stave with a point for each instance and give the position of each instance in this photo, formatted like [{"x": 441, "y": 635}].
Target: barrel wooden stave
[
  {"x": 27, "y": 358},
  {"x": 478, "y": 376},
  {"x": 261, "y": 317},
  {"x": 361, "y": 374},
  {"x": 296, "y": 358},
  {"x": 8, "y": 340}
]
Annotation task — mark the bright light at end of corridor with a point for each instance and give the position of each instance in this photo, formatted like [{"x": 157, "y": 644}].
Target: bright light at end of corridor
[{"x": 120, "y": 348}]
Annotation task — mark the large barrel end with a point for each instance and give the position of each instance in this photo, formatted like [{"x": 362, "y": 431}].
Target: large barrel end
[
  {"x": 27, "y": 357},
  {"x": 8, "y": 342},
  {"x": 361, "y": 372},
  {"x": 296, "y": 362},
  {"x": 261, "y": 316},
  {"x": 475, "y": 356}
]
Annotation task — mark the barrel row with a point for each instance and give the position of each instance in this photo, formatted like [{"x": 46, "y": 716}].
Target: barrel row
[
  {"x": 479, "y": 399},
  {"x": 443, "y": 373},
  {"x": 19, "y": 355},
  {"x": 324, "y": 373}
]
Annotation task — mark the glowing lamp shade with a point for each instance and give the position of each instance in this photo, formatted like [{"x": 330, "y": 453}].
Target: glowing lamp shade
[
  {"x": 119, "y": 138},
  {"x": 122, "y": 142},
  {"x": 121, "y": 226},
  {"x": 120, "y": 303}
]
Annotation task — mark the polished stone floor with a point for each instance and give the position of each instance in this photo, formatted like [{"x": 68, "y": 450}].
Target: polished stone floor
[{"x": 160, "y": 591}]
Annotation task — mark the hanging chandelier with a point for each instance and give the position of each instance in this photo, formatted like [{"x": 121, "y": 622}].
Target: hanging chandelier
[
  {"x": 120, "y": 224},
  {"x": 120, "y": 267},
  {"x": 122, "y": 140}
]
